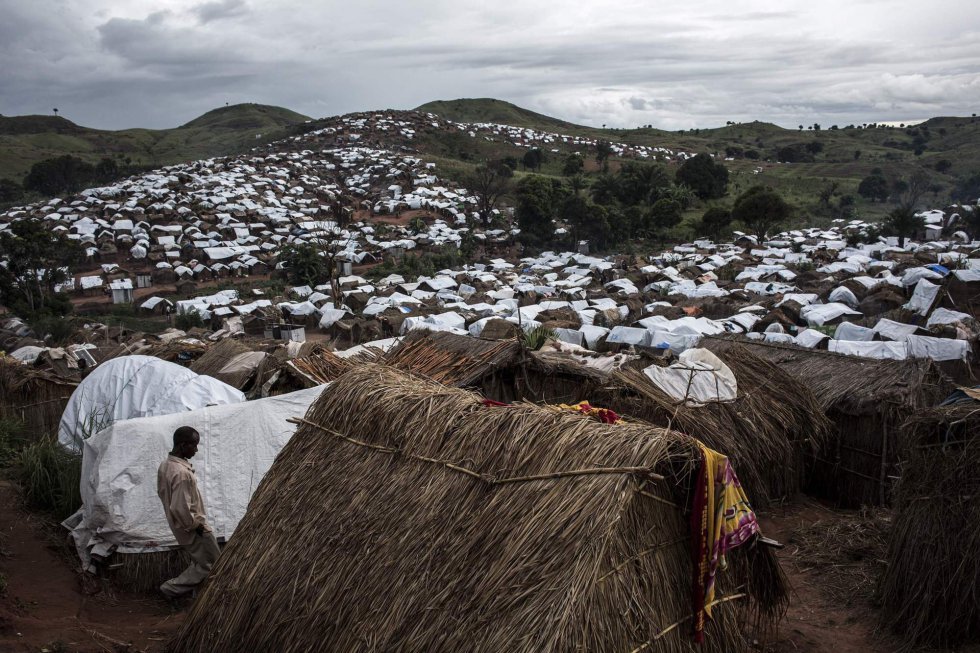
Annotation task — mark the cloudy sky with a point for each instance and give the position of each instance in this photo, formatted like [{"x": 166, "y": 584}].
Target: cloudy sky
[{"x": 115, "y": 64}]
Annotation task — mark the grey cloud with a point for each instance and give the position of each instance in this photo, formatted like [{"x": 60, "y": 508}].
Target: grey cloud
[{"x": 221, "y": 9}]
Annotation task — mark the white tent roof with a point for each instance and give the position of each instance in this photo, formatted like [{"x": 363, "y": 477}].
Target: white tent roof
[{"x": 137, "y": 386}]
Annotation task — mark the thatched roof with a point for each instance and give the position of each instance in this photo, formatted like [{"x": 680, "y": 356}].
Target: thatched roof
[
  {"x": 217, "y": 356},
  {"x": 407, "y": 515},
  {"x": 868, "y": 400},
  {"x": 850, "y": 384},
  {"x": 33, "y": 396},
  {"x": 452, "y": 359},
  {"x": 767, "y": 431},
  {"x": 929, "y": 588}
]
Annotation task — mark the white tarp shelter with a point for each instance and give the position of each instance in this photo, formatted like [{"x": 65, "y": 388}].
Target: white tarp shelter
[
  {"x": 696, "y": 378},
  {"x": 137, "y": 386},
  {"x": 120, "y": 506}
]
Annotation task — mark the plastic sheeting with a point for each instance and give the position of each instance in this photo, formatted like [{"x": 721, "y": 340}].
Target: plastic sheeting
[
  {"x": 855, "y": 332},
  {"x": 923, "y": 297},
  {"x": 874, "y": 349},
  {"x": 119, "y": 471},
  {"x": 137, "y": 386},
  {"x": 696, "y": 378},
  {"x": 820, "y": 314},
  {"x": 938, "y": 349}
]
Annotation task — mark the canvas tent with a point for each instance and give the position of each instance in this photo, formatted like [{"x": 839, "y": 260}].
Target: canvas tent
[
  {"x": 120, "y": 508},
  {"x": 137, "y": 386}
]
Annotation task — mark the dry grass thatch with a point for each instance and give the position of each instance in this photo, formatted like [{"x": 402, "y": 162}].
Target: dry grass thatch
[
  {"x": 931, "y": 588},
  {"x": 868, "y": 400},
  {"x": 33, "y": 397},
  {"x": 458, "y": 361},
  {"x": 145, "y": 572},
  {"x": 406, "y": 515},
  {"x": 767, "y": 432},
  {"x": 217, "y": 356}
]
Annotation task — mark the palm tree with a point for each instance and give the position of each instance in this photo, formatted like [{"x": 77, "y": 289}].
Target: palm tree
[{"x": 903, "y": 222}]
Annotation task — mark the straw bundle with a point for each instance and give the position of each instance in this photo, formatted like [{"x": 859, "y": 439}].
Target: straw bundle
[
  {"x": 867, "y": 400},
  {"x": 766, "y": 432},
  {"x": 144, "y": 572},
  {"x": 321, "y": 366},
  {"x": 406, "y": 515},
  {"x": 931, "y": 587}
]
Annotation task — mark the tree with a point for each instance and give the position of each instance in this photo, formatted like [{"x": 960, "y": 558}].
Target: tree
[
  {"x": 714, "y": 221},
  {"x": 605, "y": 189},
  {"x": 874, "y": 187},
  {"x": 760, "y": 208},
  {"x": 706, "y": 177},
  {"x": 639, "y": 183},
  {"x": 910, "y": 191},
  {"x": 10, "y": 190},
  {"x": 967, "y": 189},
  {"x": 587, "y": 221},
  {"x": 664, "y": 215},
  {"x": 814, "y": 147},
  {"x": 489, "y": 183},
  {"x": 36, "y": 261},
  {"x": 603, "y": 150},
  {"x": 903, "y": 222},
  {"x": 533, "y": 158},
  {"x": 535, "y": 209},
  {"x": 303, "y": 263},
  {"x": 574, "y": 164},
  {"x": 64, "y": 174},
  {"x": 943, "y": 165}
]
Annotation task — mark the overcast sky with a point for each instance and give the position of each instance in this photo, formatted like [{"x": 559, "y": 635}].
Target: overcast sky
[{"x": 112, "y": 64}]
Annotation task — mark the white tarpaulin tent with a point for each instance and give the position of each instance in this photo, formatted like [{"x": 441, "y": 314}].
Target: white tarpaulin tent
[
  {"x": 137, "y": 386},
  {"x": 239, "y": 443},
  {"x": 697, "y": 377}
]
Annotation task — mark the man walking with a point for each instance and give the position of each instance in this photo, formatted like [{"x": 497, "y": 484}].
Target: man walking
[{"x": 184, "y": 507}]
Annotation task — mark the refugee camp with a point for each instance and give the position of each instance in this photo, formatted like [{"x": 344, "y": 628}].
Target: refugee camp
[{"x": 661, "y": 337}]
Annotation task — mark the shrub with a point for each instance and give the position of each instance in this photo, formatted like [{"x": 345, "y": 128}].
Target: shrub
[
  {"x": 12, "y": 434},
  {"x": 188, "y": 320},
  {"x": 535, "y": 338},
  {"x": 50, "y": 477}
]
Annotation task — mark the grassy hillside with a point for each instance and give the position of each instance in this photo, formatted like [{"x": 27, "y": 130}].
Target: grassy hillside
[
  {"x": 844, "y": 154},
  {"x": 24, "y": 140}
]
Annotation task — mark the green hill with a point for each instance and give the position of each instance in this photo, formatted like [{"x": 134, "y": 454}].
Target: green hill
[
  {"x": 498, "y": 111},
  {"x": 25, "y": 140}
]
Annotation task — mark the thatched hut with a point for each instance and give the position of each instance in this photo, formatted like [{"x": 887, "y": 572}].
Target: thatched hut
[
  {"x": 230, "y": 361},
  {"x": 34, "y": 397},
  {"x": 770, "y": 431},
  {"x": 867, "y": 400},
  {"x": 930, "y": 590},
  {"x": 407, "y": 515}
]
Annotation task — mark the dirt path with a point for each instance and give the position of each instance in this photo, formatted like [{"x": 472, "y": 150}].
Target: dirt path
[{"x": 44, "y": 605}]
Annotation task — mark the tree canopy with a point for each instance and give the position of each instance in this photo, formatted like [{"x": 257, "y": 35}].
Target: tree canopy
[
  {"x": 760, "y": 208},
  {"x": 706, "y": 177},
  {"x": 36, "y": 261}
]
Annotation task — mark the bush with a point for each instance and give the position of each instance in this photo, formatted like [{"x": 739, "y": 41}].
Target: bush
[
  {"x": 12, "y": 436},
  {"x": 50, "y": 477},
  {"x": 188, "y": 320},
  {"x": 535, "y": 338}
]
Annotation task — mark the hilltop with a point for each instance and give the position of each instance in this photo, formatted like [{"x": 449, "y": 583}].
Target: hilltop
[{"x": 25, "y": 140}]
